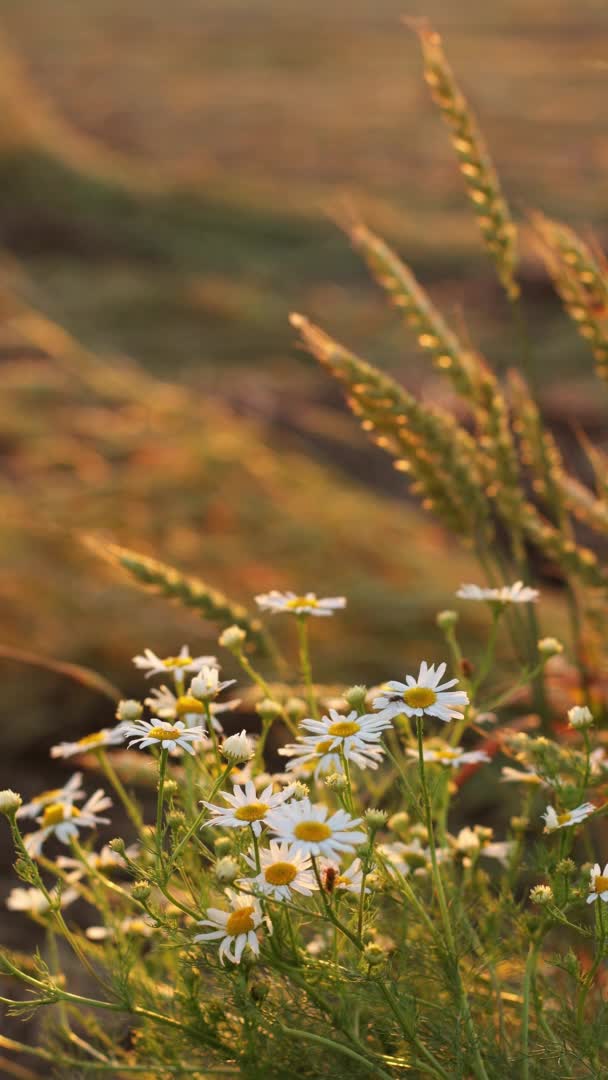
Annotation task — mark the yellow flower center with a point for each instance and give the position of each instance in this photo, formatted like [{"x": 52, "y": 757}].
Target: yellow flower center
[
  {"x": 312, "y": 831},
  {"x": 600, "y": 884},
  {"x": 564, "y": 818},
  {"x": 254, "y": 811},
  {"x": 187, "y": 704},
  {"x": 344, "y": 728},
  {"x": 447, "y": 755},
  {"x": 58, "y": 812},
  {"x": 92, "y": 740},
  {"x": 240, "y": 921},
  {"x": 301, "y": 601},
  {"x": 323, "y": 746},
  {"x": 280, "y": 873},
  {"x": 164, "y": 733},
  {"x": 342, "y": 880},
  {"x": 419, "y": 697},
  {"x": 177, "y": 661}
]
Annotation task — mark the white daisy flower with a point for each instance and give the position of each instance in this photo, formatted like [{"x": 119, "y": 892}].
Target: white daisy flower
[
  {"x": 310, "y": 830},
  {"x": 34, "y": 900},
  {"x": 247, "y": 807},
  {"x": 310, "y": 755},
  {"x": 169, "y": 706},
  {"x": 156, "y": 665},
  {"x": 350, "y": 880},
  {"x": 453, "y": 756},
  {"x": 132, "y": 924},
  {"x": 237, "y": 928},
  {"x": 408, "y": 858},
  {"x": 309, "y": 604},
  {"x": 169, "y": 736},
  {"x": 507, "y": 594},
  {"x": 520, "y": 776},
  {"x": 283, "y": 868},
  {"x": 98, "y": 740},
  {"x": 479, "y": 841},
  {"x": 424, "y": 695},
  {"x": 70, "y": 792},
  {"x": 207, "y": 685},
  {"x": 63, "y": 820},
  {"x": 348, "y": 733},
  {"x": 598, "y": 884},
  {"x": 554, "y": 821}
]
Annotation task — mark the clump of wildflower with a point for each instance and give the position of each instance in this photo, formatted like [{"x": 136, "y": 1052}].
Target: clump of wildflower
[
  {"x": 64, "y": 820},
  {"x": 163, "y": 733},
  {"x": 246, "y": 807},
  {"x": 314, "y": 831}
]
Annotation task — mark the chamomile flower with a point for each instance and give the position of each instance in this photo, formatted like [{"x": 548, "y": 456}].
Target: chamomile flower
[
  {"x": 236, "y": 928},
  {"x": 426, "y": 695},
  {"x": 453, "y": 756},
  {"x": 520, "y": 776},
  {"x": 70, "y": 792},
  {"x": 183, "y": 663},
  {"x": 63, "y": 820},
  {"x": 313, "y": 755},
  {"x": 348, "y": 734},
  {"x": 309, "y": 828},
  {"x": 247, "y": 807},
  {"x": 35, "y": 902},
  {"x": 478, "y": 841},
  {"x": 105, "y": 859},
  {"x": 406, "y": 858},
  {"x": 554, "y": 821},
  {"x": 283, "y": 868},
  {"x": 137, "y": 925},
  {"x": 167, "y": 735},
  {"x": 350, "y": 880},
  {"x": 169, "y": 706},
  {"x": 507, "y": 594},
  {"x": 98, "y": 740},
  {"x": 307, "y": 604},
  {"x": 598, "y": 883},
  {"x": 206, "y": 685}
]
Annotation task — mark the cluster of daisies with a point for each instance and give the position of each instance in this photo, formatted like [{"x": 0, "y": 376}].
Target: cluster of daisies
[{"x": 289, "y": 845}]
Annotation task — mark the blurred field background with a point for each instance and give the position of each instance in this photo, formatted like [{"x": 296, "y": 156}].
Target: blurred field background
[{"x": 169, "y": 176}]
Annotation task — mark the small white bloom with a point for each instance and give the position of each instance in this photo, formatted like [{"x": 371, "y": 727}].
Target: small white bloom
[
  {"x": 312, "y": 755},
  {"x": 63, "y": 820},
  {"x": 236, "y": 928},
  {"x": 350, "y": 880},
  {"x": 207, "y": 685},
  {"x": 283, "y": 868},
  {"x": 105, "y": 859},
  {"x": 550, "y": 646},
  {"x": 232, "y": 637},
  {"x": 598, "y": 884},
  {"x": 508, "y": 594},
  {"x": 553, "y": 820},
  {"x": 129, "y": 710},
  {"x": 519, "y": 776},
  {"x": 168, "y": 735},
  {"x": 246, "y": 807},
  {"x": 156, "y": 665},
  {"x": 407, "y": 858},
  {"x": 169, "y": 706},
  {"x": 35, "y": 902},
  {"x": 138, "y": 925},
  {"x": 10, "y": 801},
  {"x": 348, "y": 734},
  {"x": 238, "y": 748},
  {"x": 452, "y": 756},
  {"x": 70, "y": 792},
  {"x": 579, "y": 716},
  {"x": 98, "y": 740},
  {"x": 307, "y": 604},
  {"x": 310, "y": 830},
  {"x": 426, "y": 695}
]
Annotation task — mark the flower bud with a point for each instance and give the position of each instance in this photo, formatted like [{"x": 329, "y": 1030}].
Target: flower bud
[
  {"x": 580, "y": 717},
  {"x": 176, "y": 818},
  {"x": 336, "y": 781},
  {"x": 222, "y": 846},
  {"x": 269, "y": 709},
  {"x": 141, "y": 891},
  {"x": 171, "y": 787},
  {"x": 549, "y": 646},
  {"x": 232, "y": 638},
  {"x": 375, "y": 818},
  {"x": 520, "y": 824},
  {"x": 374, "y": 954},
  {"x": 10, "y": 802},
  {"x": 117, "y": 845},
  {"x": 565, "y": 867},
  {"x": 299, "y": 790},
  {"x": 129, "y": 710},
  {"x": 227, "y": 870},
  {"x": 399, "y": 822},
  {"x": 237, "y": 748},
  {"x": 541, "y": 894},
  {"x": 355, "y": 698},
  {"x": 446, "y": 620},
  {"x": 295, "y": 709}
]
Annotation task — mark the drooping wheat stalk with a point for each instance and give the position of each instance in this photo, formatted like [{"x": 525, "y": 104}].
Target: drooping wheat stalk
[
  {"x": 189, "y": 590},
  {"x": 581, "y": 280},
  {"x": 483, "y": 186}
]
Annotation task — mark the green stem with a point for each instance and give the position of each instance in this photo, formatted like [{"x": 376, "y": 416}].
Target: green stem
[
  {"x": 525, "y": 1014},
  {"x": 199, "y": 818},
  {"x": 164, "y": 754},
  {"x": 129, "y": 804},
  {"x": 322, "y": 1040},
  {"x": 305, "y": 665}
]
